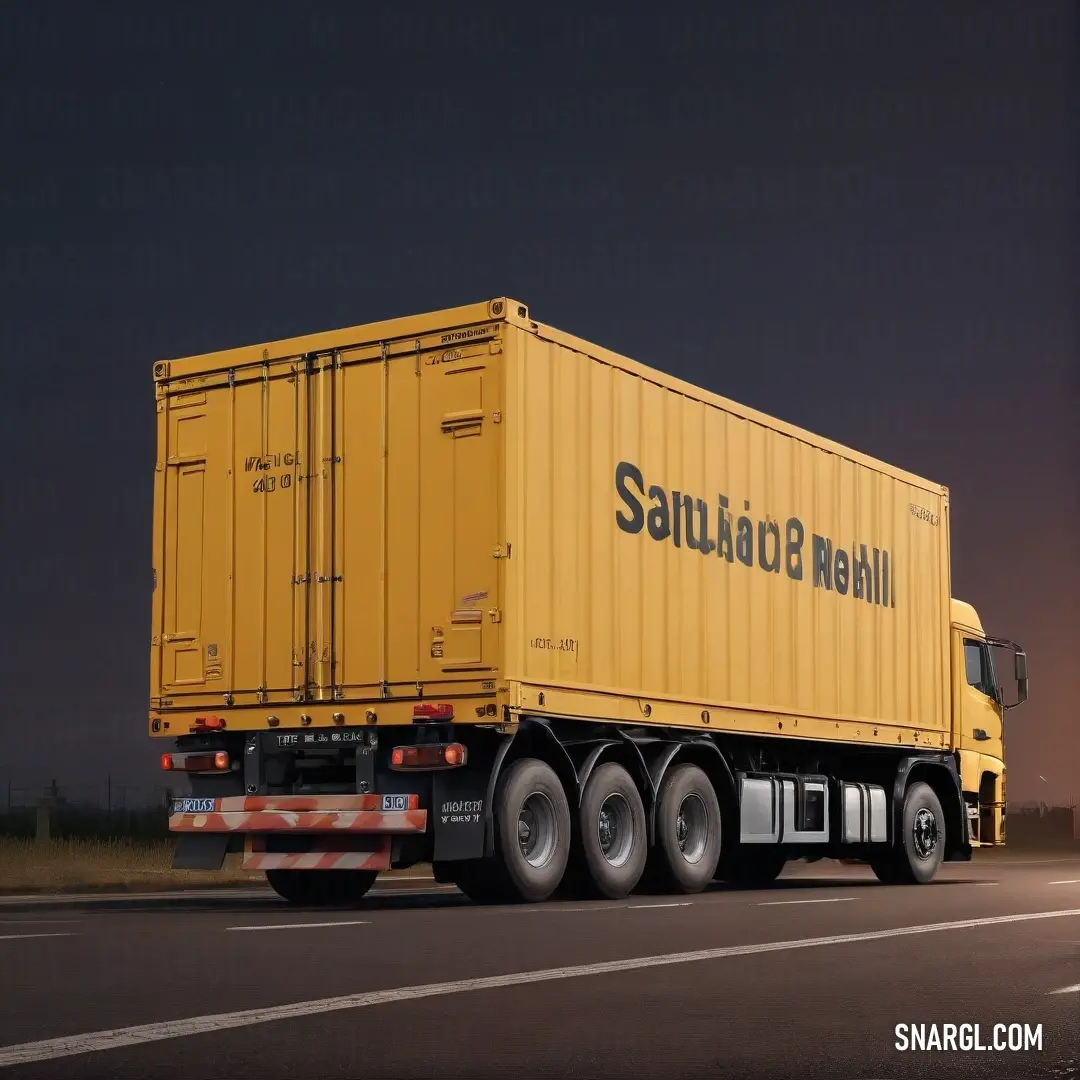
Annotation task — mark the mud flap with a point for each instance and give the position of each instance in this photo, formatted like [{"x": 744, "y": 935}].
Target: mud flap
[
  {"x": 200, "y": 851},
  {"x": 458, "y": 810}
]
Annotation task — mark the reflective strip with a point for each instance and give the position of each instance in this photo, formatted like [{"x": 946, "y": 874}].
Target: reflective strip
[
  {"x": 318, "y": 860},
  {"x": 370, "y": 821},
  {"x": 303, "y": 803}
]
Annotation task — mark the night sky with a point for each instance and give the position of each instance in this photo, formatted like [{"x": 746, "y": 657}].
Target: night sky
[{"x": 859, "y": 218}]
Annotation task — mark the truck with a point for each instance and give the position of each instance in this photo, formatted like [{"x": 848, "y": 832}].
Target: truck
[{"x": 462, "y": 589}]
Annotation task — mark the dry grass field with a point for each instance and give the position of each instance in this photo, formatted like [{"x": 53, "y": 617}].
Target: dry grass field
[{"x": 86, "y": 864}]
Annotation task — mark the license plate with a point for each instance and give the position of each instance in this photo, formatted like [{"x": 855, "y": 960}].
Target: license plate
[
  {"x": 395, "y": 802},
  {"x": 193, "y": 806}
]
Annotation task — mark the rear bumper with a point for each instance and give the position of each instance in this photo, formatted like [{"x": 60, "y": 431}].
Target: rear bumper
[
  {"x": 323, "y": 855},
  {"x": 296, "y": 813},
  {"x": 342, "y": 832}
]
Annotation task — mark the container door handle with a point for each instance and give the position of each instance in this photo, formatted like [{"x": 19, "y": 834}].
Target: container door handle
[{"x": 462, "y": 422}]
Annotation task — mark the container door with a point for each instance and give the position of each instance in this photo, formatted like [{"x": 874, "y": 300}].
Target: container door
[
  {"x": 459, "y": 439},
  {"x": 373, "y": 511},
  {"x": 196, "y": 493},
  {"x": 233, "y": 561}
]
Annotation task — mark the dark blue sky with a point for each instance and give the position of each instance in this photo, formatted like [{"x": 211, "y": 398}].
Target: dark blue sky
[{"x": 860, "y": 220}]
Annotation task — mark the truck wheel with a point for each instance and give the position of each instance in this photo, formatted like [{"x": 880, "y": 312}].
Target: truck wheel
[
  {"x": 614, "y": 844},
  {"x": 687, "y": 829},
  {"x": 751, "y": 867},
  {"x": 481, "y": 881},
  {"x": 532, "y": 829},
  {"x": 884, "y": 867},
  {"x": 916, "y": 858},
  {"x": 321, "y": 888}
]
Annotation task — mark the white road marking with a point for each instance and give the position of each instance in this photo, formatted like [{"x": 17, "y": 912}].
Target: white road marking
[
  {"x": 557, "y": 909},
  {"x": 1067, "y": 990},
  {"x": 827, "y": 900},
  {"x": 22, "y": 937},
  {"x": 114, "y": 1039},
  {"x": 1076, "y": 882},
  {"x": 303, "y": 925},
  {"x": 39, "y": 922},
  {"x": 410, "y": 892},
  {"x": 646, "y": 907}
]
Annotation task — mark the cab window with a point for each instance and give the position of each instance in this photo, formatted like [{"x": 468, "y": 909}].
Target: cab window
[{"x": 980, "y": 671}]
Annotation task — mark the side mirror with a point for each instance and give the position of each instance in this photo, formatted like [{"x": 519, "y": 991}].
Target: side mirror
[
  {"x": 1021, "y": 677},
  {"x": 1021, "y": 666}
]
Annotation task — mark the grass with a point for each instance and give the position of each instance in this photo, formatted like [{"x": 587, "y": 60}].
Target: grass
[
  {"x": 89, "y": 823},
  {"x": 76, "y": 865}
]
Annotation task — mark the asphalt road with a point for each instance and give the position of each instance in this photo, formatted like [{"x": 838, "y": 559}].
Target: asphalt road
[{"x": 807, "y": 979}]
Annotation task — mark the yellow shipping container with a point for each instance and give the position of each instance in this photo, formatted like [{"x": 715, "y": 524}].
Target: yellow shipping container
[{"x": 469, "y": 514}]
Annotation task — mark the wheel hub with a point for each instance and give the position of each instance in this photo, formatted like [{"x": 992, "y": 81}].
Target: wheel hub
[
  {"x": 615, "y": 829},
  {"x": 537, "y": 829},
  {"x": 925, "y": 833},
  {"x": 692, "y": 828},
  {"x": 607, "y": 828}
]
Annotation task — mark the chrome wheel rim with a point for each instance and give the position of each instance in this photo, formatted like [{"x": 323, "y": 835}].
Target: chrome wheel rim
[
  {"x": 924, "y": 833},
  {"x": 615, "y": 829},
  {"x": 692, "y": 828},
  {"x": 537, "y": 829}
]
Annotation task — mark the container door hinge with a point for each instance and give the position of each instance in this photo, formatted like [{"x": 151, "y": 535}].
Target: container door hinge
[
  {"x": 500, "y": 552},
  {"x": 496, "y": 615},
  {"x": 301, "y": 579}
]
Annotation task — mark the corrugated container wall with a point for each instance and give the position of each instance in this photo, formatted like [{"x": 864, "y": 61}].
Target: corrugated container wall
[
  {"x": 469, "y": 503},
  {"x": 821, "y": 594}
]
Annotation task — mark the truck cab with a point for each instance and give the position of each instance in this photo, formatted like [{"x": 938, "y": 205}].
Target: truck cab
[{"x": 979, "y": 708}]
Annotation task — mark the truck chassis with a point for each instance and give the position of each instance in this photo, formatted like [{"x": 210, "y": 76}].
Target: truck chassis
[{"x": 536, "y": 807}]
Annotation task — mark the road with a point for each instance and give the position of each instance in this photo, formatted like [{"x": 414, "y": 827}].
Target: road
[{"x": 809, "y": 978}]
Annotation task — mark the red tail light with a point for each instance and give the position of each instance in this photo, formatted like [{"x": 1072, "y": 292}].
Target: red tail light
[
  {"x": 432, "y": 756},
  {"x": 433, "y": 712},
  {"x": 208, "y": 723},
  {"x": 216, "y": 762}
]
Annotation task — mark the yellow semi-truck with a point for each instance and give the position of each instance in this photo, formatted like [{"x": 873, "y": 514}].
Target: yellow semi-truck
[{"x": 463, "y": 589}]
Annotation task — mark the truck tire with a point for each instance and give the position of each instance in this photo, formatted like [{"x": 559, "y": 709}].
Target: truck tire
[
  {"x": 921, "y": 847},
  {"x": 482, "y": 881},
  {"x": 532, "y": 831},
  {"x": 614, "y": 842},
  {"x": 321, "y": 888},
  {"x": 688, "y": 830},
  {"x": 753, "y": 867}
]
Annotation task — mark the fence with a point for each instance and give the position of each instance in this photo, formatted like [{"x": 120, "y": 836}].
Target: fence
[
  {"x": 69, "y": 813},
  {"x": 108, "y": 794}
]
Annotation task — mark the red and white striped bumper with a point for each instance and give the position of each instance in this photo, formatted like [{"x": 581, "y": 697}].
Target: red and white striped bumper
[
  {"x": 301, "y": 813},
  {"x": 325, "y": 855}
]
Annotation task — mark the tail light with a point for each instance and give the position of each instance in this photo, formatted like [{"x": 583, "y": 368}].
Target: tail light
[
  {"x": 428, "y": 756},
  {"x": 433, "y": 713},
  {"x": 208, "y": 723},
  {"x": 216, "y": 762}
]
